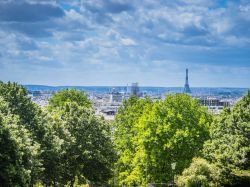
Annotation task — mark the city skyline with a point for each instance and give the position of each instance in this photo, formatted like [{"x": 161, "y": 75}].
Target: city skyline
[{"x": 117, "y": 42}]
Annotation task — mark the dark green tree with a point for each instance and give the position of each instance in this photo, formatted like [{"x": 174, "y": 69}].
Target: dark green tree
[
  {"x": 30, "y": 116},
  {"x": 54, "y": 146},
  {"x": 229, "y": 146},
  {"x": 19, "y": 154},
  {"x": 20, "y": 104},
  {"x": 52, "y": 149},
  {"x": 87, "y": 150}
]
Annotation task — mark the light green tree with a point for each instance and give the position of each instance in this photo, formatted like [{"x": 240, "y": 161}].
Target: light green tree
[
  {"x": 174, "y": 130},
  {"x": 62, "y": 97},
  {"x": 199, "y": 173},
  {"x": 124, "y": 132},
  {"x": 152, "y": 136}
]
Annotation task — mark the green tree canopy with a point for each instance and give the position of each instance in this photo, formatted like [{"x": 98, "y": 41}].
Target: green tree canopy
[
  {"x": 51, "y": 152},
  {"x": 19, "y": 154},
  {"x": 87, "y": 150},
  {"x": 21, "y": 104},
  {"x": 124, "y": 131},
  {"x": 229, "y": 144},
  {"x": 30, "y": 117},
  {"x": 199, "y": 173},
  {"x": 54, "y": 146},
  {"x": 152, "y": 136},
  {"x": 69, "y": 95}
]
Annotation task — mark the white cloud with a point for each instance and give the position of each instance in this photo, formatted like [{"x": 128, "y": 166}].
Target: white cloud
[{"x": 128, "y": 42}]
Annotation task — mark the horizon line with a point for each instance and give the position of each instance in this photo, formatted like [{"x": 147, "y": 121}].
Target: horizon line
[{"x": 130, "y": 86}]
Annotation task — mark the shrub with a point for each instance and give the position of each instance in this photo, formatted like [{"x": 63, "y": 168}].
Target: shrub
[{"x": 199, "y": 173}]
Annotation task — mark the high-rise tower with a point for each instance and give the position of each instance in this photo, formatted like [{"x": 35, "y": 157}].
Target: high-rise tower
[
  {"x": 135, "y": 89},
  {"x": 186, "y": 86}
]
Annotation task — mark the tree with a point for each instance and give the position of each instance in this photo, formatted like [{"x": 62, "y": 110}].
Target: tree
[
  {"x": 19, "y": 154},
  {"x": 30, "y": 116},
  {"x": 65, "y": 96},
  {"x": 174, "y": 130},
  {"x": 159, "y": 134},
  {"x": 229, "y": 147},
  {"x": 55, "y": 146},
  {"x": 52, "y": 149},
  {"x": 199, "y": 173},
  {"x": 124, "y": 131},
  {"x": 20, "y": 104},
  {"x": 87, "y": 150}
]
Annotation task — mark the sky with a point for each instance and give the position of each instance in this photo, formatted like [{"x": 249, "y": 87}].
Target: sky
[{"x": 117, "y": 42}]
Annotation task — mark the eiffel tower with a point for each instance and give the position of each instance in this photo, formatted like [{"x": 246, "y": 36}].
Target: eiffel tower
[{"x": 186, "y": 87}]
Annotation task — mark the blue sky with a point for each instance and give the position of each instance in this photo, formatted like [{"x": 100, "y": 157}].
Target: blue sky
[{"x": 116, "y": 42}]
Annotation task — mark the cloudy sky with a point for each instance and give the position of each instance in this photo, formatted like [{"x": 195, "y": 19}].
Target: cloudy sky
[{"x": 115, "y": 42}]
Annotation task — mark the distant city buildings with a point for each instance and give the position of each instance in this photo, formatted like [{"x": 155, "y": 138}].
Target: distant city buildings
[
  {"x": 215, "y": 104},
  {"x": 40, "y": 97},
  {"x": 106, "y": 102},
  {"x": 116, "y": 97},
  {"x": 213, "y": 101}
]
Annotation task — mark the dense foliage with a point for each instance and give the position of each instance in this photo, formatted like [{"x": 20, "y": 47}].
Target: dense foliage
[
  {"x": 19, "y": 153},
  {"x": 87, "y": 154},
  {"x": 199, "y": 173},
  {"x": 63, "y": 97},
  {"x": 229, "y": 146},
  {"x": 65, "y": 143},
  {"x": 150, "y": 136},
  {"x": 55, "y": 147},
  {"x": 30, "y": 121},
  {"x": 20, "y": 104},
  {"x": 125, "y": 134}
]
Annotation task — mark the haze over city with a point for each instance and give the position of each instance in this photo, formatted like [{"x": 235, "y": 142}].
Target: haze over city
[{"x": 107, "y": 42}]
